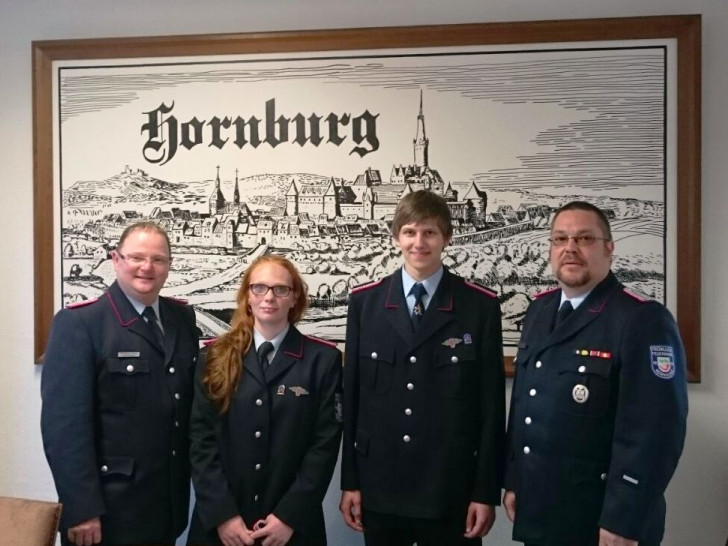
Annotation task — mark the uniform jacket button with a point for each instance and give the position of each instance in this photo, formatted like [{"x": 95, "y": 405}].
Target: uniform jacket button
[
  {"x": 171, "y": 369},
  {"x": 406, "y": 438},
  {"x": 130, "y": 368},
  {"x": 374, "y": 356},
  {"x": 413, "y": 359},
  {"x": 410, "y": 386},
  {"x": 454, "y": 360},
  {"x": 258, "y": 402},
  {"x": 104, "y": 468}
]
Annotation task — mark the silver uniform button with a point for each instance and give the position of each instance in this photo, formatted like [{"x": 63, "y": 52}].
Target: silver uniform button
[
  {"x": 174, "y": 453},
  {"x": 532, "y": 392},
  {"x": 406, "y": 438},
  {"x": 475, "y": 453},
  {"x": 258, "y": 402},
  {"x": 104, "y": 468},
  {"x": 356, "y": 445},
  {"x": 176, "y": 424},
  {"x": 130, "y": 368},
  {"x": 171, "y": 369},
  {"x": 582, "y": 369},
  {"x": 454, "y": 360},
  {"x": 257, "y": 466},
  {"x": 257, "y": 434},
  {"x": 527, "y": 450},
  {"x": 413, "y": 359},
  {"x": 255, "y": 498},
  {"x": 527, "y": 420},
  {"x": 374, "y": 356},
  {"x": 408, "y": 411},
  {"x": 603, "y": 477},
  {"x": 176, "y": 396},
  {"x": 194, "y": 359},
  {"x": 410, "y": 386},
  {"x": 539, "y": 364}
]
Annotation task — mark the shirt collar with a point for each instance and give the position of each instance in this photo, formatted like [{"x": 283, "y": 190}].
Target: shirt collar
[
  {"x": 139, "y": 306},
  {"x": 575, "y": 302},
  {"x": 430, "y": 283},
  {"x": 259, "y": 339}
]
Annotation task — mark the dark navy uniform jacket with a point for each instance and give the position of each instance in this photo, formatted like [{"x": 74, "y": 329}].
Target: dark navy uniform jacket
[
  {"x": 424, "y": 412},
  {"x": 597, "y": 420},
  {"x": 276, "y": 448},
  {"x": 115, "y": 417}
]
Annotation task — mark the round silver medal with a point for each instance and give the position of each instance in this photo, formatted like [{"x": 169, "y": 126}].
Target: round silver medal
[{"x": 580, "y": 393}]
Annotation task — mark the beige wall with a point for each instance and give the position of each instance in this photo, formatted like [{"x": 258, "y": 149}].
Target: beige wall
[{"x": 698, "y": 495}]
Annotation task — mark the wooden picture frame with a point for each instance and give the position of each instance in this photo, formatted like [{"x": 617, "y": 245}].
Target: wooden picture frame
[{"x": 684, "y": 29}]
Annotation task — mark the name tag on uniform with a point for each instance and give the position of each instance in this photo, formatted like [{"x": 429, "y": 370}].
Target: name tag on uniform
[{"x": 129, "y": 354}]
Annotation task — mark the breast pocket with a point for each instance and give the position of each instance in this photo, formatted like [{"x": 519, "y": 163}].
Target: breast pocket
[
  {"x": 454, "y": 368},
  {"x": 376, "y": 368},
  {"x": 125, "y": 377},
  {"x": 585, "y": 383}
]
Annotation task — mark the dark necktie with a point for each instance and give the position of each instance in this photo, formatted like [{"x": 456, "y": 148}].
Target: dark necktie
[
  {"x": 564, "y": 311},
  {"x": 151, "y": 319},
  {"x": 263, "y": 351},
  {"x": 418, "y": 291}
]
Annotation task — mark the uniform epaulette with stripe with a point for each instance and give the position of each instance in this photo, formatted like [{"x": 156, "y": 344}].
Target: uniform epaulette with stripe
[
  {"x": 83, "y": 303},
  {"x": 480, "y": 288},
  {"x": 322, "y": 341},
  {"x": 545, "y": 292},
  {"x": 636, "y": 295},
  {"x": 178, "y": 300},
  {"x": 208, "y": 342},
  {"x": 366, "y": 286}
]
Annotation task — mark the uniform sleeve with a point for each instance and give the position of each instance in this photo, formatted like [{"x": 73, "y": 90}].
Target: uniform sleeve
[
  {"x": 489, "y": 472},
  {"x": 349, "y": 472},
  {"x": 303, "y": 499},
  {"x": 650, "y": 422},
  {"x": 68, "y": 385},
  {"x": 214, "y": 500}
]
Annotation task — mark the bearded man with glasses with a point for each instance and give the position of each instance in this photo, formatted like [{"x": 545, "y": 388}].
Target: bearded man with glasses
[
  {"x": 599, "y": 401},
  {"x": 117, "y": 391}
]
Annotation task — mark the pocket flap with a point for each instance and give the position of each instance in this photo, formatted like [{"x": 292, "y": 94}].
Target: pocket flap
[
  {"x": 128, "y": 366},
  {"x": 117, "y": 465}
]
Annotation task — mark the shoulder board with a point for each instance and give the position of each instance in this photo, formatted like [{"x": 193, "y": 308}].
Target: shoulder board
[
  {"x": 636, "y": 295},
  {"x": 207, "y": 342},
  {"x": 480, "y": 288},
  {"x": 322, "y": 341},
  {"x": 545, "y": 292},
  {"x": 79, "y": 304},
  {"x": 177, "y": 300},
  {"x": 366, "y": 286}
]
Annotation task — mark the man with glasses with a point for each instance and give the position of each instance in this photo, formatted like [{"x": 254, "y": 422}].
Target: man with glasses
[
  {"x": 117, "y": 388},
  {"x": 599, "y": 401}
]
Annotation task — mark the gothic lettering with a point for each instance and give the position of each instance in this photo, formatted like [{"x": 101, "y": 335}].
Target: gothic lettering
[{"x": 165, "y": 134}]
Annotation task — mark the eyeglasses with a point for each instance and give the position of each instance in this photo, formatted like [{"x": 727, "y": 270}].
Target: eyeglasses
[
  {"x": 136, "y": 259},
  {"x": 279, "y": 290},
  {"x": 586, "y": 239}
]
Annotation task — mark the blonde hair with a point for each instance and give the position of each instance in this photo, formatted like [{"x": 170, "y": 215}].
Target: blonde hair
[{"x": 224, "y": 361}]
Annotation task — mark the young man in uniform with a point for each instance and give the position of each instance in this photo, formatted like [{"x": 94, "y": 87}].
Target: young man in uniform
[{"x": 424, "y": 407}]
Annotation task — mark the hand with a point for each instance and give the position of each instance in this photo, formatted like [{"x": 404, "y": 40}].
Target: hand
[
  {"x": 607, "y": 538},
  {"x": 85, "y": 533},
  {"x": 273, "y": 533},
  {"x": 350, "y": 507},
  {"x": 479, "y": 520},
  {"x": 233, "y": 532},
  {"x": 509, "y": 503}
]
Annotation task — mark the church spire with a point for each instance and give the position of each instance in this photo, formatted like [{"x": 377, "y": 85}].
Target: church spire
[
  {"x": 217, "y": 200},
  {"x": 421, "y": 142},
  {"x": 236, "y": 195}
]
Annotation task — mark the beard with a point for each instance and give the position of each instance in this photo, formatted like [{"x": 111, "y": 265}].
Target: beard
[{"x": 573, "y": 280}]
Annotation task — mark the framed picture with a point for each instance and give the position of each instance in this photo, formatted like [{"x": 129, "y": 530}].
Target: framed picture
[{"x": 302, "y": 143}]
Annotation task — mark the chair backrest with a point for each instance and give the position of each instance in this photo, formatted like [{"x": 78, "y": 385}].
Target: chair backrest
[{"x": 26, "y": 522}]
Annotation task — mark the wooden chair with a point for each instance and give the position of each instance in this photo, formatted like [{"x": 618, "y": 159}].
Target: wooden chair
[{"x": 26, "y": 522}]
